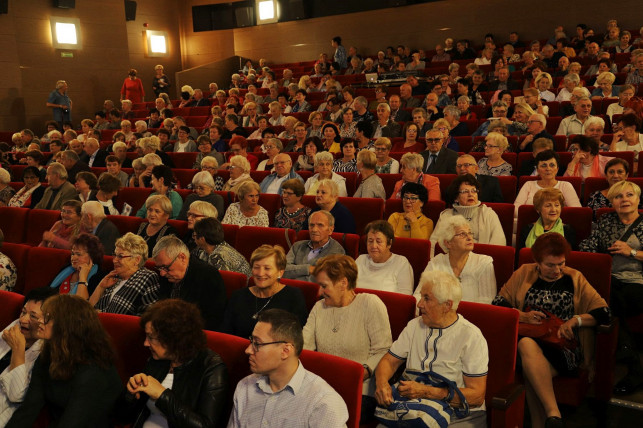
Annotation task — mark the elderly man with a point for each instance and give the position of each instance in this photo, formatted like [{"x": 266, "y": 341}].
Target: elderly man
[
  {"x": 188, "y": 278},
  {"x": 591, "y": 52},
  {"x": 19, "y": 349},
  {"x": 440, "y": 55},
  {"x": 286, "y": 78},
  {"x": 437, "y": 158},
  {"x": 398, "y": 114},
  {"x": 549, "y": 56},
  {"x": 199, "y": 100},
  {"x": 100, "y": 121},
  {"x": 159, "y": 103},
  {"x": 536, "y": 128},
  {"x": 280, "y": 385},
  {"x": 417, "y": 87},
  {"x": 76, "y": 146},
  {"x": 360, "y": 112},
  {"x": 406, "y": 97},
  {"x": 452, "y": 115},
  {"x": 490, "y": 190},
  {"x": 114, "y": 119},
  {"x": 60, "y": 103},
  {"x": 384, "y": 126},
  {"x": 442, "y": 341},
  {"x": 504, "y": 82},
  {"x": 636, "y": 76},
  {"x": 95, "y": 156},
  {"x": 303, "y": 255},
  {"x": 72, "y": 163},
  {"x": 59, "y": 189},
  {"x": 575, "y": 124},
  {"x": 93, "y": 219},
  {"x": 499, "y": 110},
  {"x": 433, "y": 111},
  {"x": 283, "y": 171}
]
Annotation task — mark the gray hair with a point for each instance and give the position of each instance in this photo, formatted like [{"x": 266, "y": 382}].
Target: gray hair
[
  {"x": 5, "y": 177},
  {"x": 241, "y": 162},
  {"x": 445, "y": 230},
  {"x": 329, "y": 216},
  {"x": 452, "y": 111},
  {"x": 362, "y": 100},
  {"x": 204, "y": 178},
  {"x": 572, "y": 77},
  {"x": 334, "y": 189},
  {"x": 385, "y": 106},
  {"x": 152, "y": 159},
  {"x": 205, "y": 208},
  {"x": 595, "y": 120},
  {"x": 135, "y": 245},
  {"x": 209, "y": 160},
  {"x": 412, "y": 161},
  {"x": 94, "y": 208},
  {"x": 445, "y": 287},
  {"x": 58, "y": 169},
  {"x": 323, "y": 157},
  {"x": 172, "y": 245},
  {"x": 70, "y": 155},
  {"x": 540, "y": 118},
  {"x": 162, "y": 200},
  {"x": 119, "y": 145},
  {"x": 140, "y": 123}
]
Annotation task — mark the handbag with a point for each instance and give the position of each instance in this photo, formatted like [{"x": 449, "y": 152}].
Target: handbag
[
  {"x": 423, "y": 412},
  {"x": 547, "y": 331}
]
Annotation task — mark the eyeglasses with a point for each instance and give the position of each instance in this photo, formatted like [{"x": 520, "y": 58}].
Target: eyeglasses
[
  {"x": 380, "y": 149},
  {"x": 121, "y": 256},
  {"x": 287, "y": 193},
  {"x": 231, "y": 167},
  {"x": 201, "y": 188},
  {"x": 208, "y": 168},
  {"x": 534, "y": 121},
  {"x": 491, "y": 146},
  {"x": 410, "y": 198},
  {"x": 468, "y": 191},
  {"x": 271, "y": 147},
  {"x": 166, "y": 269},
  {"x": 68, "y": 212},
  {"x": 433, "y": 140},
  {"x": 194, "y": 215},
  {"x": 256, "y": 346},
  {"x": 465, "y": 165},
  {"x": 464, "y": 235}
]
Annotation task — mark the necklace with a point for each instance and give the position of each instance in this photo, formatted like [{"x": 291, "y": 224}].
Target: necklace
[
  {"x": 335, "y": 323},
  {"x": 547, "y": 298},
  {"x": 256, "y": 315}
]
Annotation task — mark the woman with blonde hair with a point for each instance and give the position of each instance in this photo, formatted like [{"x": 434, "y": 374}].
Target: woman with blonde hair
[
  {"x": 492, "y": 163},
  {"x": 522, "y": 113},
  {"x": 543, "y": 84},
  {"x": 159, "y": 210},
  {"x": 371, "y": 185},
  {"x": 604, "y": 86},
  {"x": 247, "y": 212},
  {"x": 324, "y": 167},
  {"x": 239, "y": 168},
  {"x": 412, "y": 164},
  {"x": 160, "y": 82},
  {"x": 385, "y": 164}
]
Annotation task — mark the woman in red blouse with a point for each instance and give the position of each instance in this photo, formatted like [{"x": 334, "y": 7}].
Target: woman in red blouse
[{"x": 132, "y": 88}]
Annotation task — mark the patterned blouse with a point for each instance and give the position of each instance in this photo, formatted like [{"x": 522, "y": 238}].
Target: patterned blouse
[
  {"x": 218, "y": 183},
  {"x": 233, "y": 215},
  {"x": 504, "y": 169},
  {"x": 224, "y": 257},
  {"x": 295, "y": 221},
  {"x": 137, "y": 293},
  {"x": 386, "y": 168},
  {"x": 341, "y": 166},
  {"x": 8, "y": 273},
  {"x": 347, "y": 131}
]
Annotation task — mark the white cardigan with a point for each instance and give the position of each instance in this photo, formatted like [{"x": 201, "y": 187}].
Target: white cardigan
[{"x": 311, "y": 183}]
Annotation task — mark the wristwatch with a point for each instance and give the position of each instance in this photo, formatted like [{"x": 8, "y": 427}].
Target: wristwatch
[{"x": 633, "y": 253}]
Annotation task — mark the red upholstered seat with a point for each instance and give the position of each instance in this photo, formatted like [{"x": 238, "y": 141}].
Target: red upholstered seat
[
  {"x": 43, "y": 264},
  {"x": 127, "y": 337},
  {"x": 508, "y": 187},
  {"x": 594, "y": 184},
  {"x": 249, "y": 238},
  {"x": 13, "y": 222},
  {"x": 365, "y": 210},
  {"x": 349, "y": 241},
  {"x": 272, "y": 203},
  {"x": 184, "y": 176},
  {"x": 233, "y": 281},
  {"x": 416, "y": 251},
  {"x": 183, "y": 160},
  {"x": 126, "y": 223},
  {"x": 503, "y": 260},
  {"x": 389, "y": 180},
  {"x": 39, "y": 221},
  {"x": 11, "y": 304},
  {"x": 18, "y": 254},
  {"x": 445, "y": 181},
  {"x": 134, "y": 196},
  {"x": 230, "y": 233},
  {"x": 400, "y": 308},
  {"x": 597, "y": 268},
  {"x": 580, "y": 218},
  {"x": 351, "y": 182},
  {"x": 506, "y": 215},
  {"x": 181, "y": 226},
  {"x": 431, "y": 209}
]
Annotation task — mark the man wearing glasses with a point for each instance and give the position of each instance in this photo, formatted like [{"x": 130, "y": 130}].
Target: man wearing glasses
[
  {"x": 490, "y": 190},
  {"x": 19, "y": 348},
  {"x": 281, "y": 391},
  {"x": 282, "y": 171},
  {"x": 438, "y": 159},
  {"x": 188, "y": 278},
  {"x": 536, "y": 128}
]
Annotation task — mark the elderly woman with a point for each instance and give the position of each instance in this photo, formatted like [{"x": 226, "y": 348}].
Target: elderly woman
[
  {"x": 198, "y": 210},
  {"x": 543, "y": 84},
  {"x": 159, "y": 209},
  {"x": 385, "y": 164},
  {"x": 239, "y": 168},
  {"x": 605, "y": 88},
  {"x": 380, "y": 269},
  {"x": 293, "y": 214},
  {"x": 586, "y": 161},
  {"x": 331, "y": 138},
  {"x": 444, "y": 126},
  {"x": 347, "y": 128},
  {"x": 475, "y": 271},
  {"x": 410, "y": 144},
  {"x": 492, "y": 163},
  {"x": 412, "y": 164},
  {"x": 160, "y": 82},
  {"x": 84, "y": 273},
  {"x": 289, "y": 128},
  {"x": 628, "y": 136},
  {"x": 274, "y": 146},
  {"x": 262, "y": 123},
  {"x": 65, "y": 229},
  {"x": 74, "y": 377},
  {"x": 183, "y": 381},
  {"x": 348, "y": 163},
  {"x": 547, "y": 163},
  {"x": 548, "y": 203},
  {"x": 204, "y": 145},
  {"x": 464, "y": 106},
  {"x": 570, "y": 82},
  {"x": 135, "y": 180},
  {"x": 306, "y": 162},
  {"x": 323, "y": 166},
  {"x": 204, "y": 187},
  {"x": 130, "y": 288},
  {"x": 297, "y": 145},
  {"x": 620, "y": 234},
  {"x": 624, "y": 95},
  {"x": 548, "y": 286},
  {"x": 247, "y": 212},
  {"x": 460, "y": 353},
  {"x": 267, "y": 292},
  {"x": 6, "y": 191},
  {"x": 522, "y": 113},
  {"x": 485, "y": 224},
  {"x": 161, "y": 180},
  {"x": 210, "y": 165},
  {"x": 616, "y": 170},
  {"x": 212, "y": 248},
  {"x": 412, "y": 223},
  {"x": 371, "y": 185},
  {"x": 363, "y": 325},
  {"x": 327, "y": 200},
  {"x": 149, "y": 161},
  {"x": 30, "y": 194},
  {"x": 86, "y": 182},
  {"x": 315, "y": 119}
]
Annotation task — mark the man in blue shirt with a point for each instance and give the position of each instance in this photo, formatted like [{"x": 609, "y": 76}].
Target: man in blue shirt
[{"x": 60, "y": 102}]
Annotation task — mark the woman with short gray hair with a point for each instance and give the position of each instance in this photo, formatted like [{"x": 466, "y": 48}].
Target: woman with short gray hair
[
  {"x": 324, "y": 167},
  {"x": 203, "y": 186},
  {"x": 159, "y": 210},
  {"x": 411, "y": 170}
]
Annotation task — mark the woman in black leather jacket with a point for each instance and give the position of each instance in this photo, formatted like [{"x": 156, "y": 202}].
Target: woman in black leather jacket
[{"x": 184, "y": 384}]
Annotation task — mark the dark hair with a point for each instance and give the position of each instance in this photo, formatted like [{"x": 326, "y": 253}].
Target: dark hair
[
  {"x": 630, "y": 119},
  {"x": 36, "y": 155},
  {"x": 345, "y": 141},
  {"x": 108, "y": 183},
  {"x": 335, "y": 65},
  {"x": 178, "y": 326},
  {"x": 100, "y": 113},
  {"x": 453, "y": 191},
  {"x": 73, "y": 203},
  {"x": 93, "y": 246},
  {"x": 302, "y": 91},
  {"x": 349, "y": 89},
  {"x": 168, "y": 113},
  {"x": 550, "y": 244},
  {"x": 316, "y": 141},
  {"x": 545, "y": 155},
  {"x": 586, "y": 144},
  {"x": 416, "y": 189},
  {"x": 164, "y": 132},
  {"x": 185, "y": 129},
  {"x": 365, "y": 127},
  {"x": 209, "y": 228},
  {"x": 115, "y": 112},
  {"x": 337, "y": 40},
  {"x": 89, "y": 178},
  {"x": 407, "y": 125},
  {"x": 112, "y": 158},
  {"x": 295, "y": 185},
  {"x": 267, "y": 131},
  {"x": 40, "y": 294},
  {"x": 164, "y": 172},
  {"x": 233, "y": 118},
  {"x": 77, "y": 338},
  {"x": 154, "y": 110},
  {"x": 617, "y": 161},
  {"x": 382, "y": 226},
  {"x": 31, "y": 169},
  {"x": 284, "y": 326},
  {"x": 56, "y": 142},
  {"x": 334, "y": 126},
  {"x": 606, "y": 61}
]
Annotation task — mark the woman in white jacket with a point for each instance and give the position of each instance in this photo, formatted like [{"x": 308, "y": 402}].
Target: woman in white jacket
[{"x": 324, "y": 169}]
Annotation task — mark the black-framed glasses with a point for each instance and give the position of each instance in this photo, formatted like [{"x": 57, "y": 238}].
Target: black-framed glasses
[
  {"x": 166, "y": 269},
  {"x": 256, "y": 346}
]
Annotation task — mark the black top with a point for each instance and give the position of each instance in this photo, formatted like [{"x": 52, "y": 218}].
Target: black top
[
  {"x": 570, "y": 236},
  {"x": 152, "y": 240},
  {"x": 85, "y": 400},
  {"x": 203, "y": 286},
  {"x": 243, "y": 305},
  {"x": 212, "y": 198}
]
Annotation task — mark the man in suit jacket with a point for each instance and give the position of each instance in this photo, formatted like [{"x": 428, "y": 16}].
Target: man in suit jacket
[
  {"x": 406, "y": 97},
  {"x": 504, "y": 82},
  {"x": 536, "y": 128},
  {"x": 59, "y": 189},
  {"x": 199, "y": 101},
  {"x": 73, "y": 165},
  {"x": 384, "y": 126},
  {"x": 438, "y": 159},
  {"x": 93, "y": 218},
  {"x": 490, "y": 190},
  {"x": 398, "y": 114},
  {"x": 95, "y": 155}
]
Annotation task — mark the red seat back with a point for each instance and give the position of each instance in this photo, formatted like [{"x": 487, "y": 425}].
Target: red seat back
[
  {"x": 271, "y": 203},
  {"x": 349, "y": 241},
  {"x": 39, "y": 221},
  {"x": 503, "y": 260},
  {"x": 181, "y": 226},
  {"x": 310, "y": 290},
  {"x": 400, "y": 308},
  {"x": 506, "y": 215},
  {"x": 127, "y": 337},
  {"x": 364, "y": 210},
  {"x": 43, "y": 264},
  {"x": 11, "y": 304},
  {"x": 18, "y": 254},
  {"x": 445, "y": 181},
  {"x": 13, "y": 222},
  {"x": 580, "y": 218},
  {"x": 126, "y": 224},
  {"x": 184, "y": 176},
  {"x": 183, "y": 160},
  {"x": 249, "y": 238},
  {"x": 233, "y": 281},
  {"x": 134, "y": 196},
  {"x": 508, "y": 188},
  {"x": 389, "y": 180}
]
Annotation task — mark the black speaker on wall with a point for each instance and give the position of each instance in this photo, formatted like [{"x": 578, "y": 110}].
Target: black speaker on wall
[
  {"x": 4, "y": 6},
  {"x": 130, "y": 10},
  {"x": 65, "y": 4}
]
